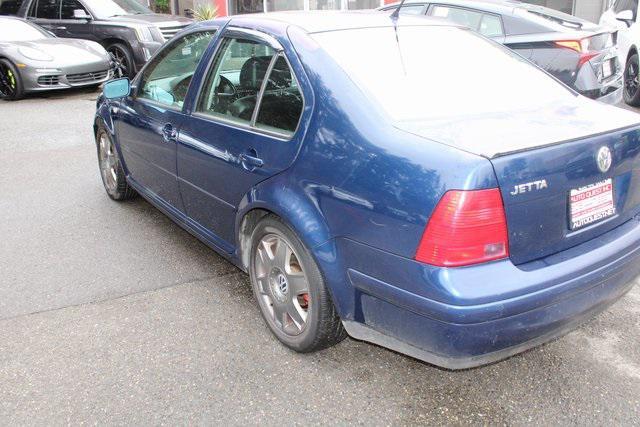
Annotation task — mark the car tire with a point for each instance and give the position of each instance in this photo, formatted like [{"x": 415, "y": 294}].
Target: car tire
[
  {"x": 11, "y": 87},
  {"x": 632, "y": 81},
  {"x": 123, "y": 59},
  {"x": 111, "y": 171},
  {"x": 278, "y": 283}
]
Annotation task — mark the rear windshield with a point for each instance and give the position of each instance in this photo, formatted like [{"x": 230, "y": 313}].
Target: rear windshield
[{"x": 439, "y": 71}]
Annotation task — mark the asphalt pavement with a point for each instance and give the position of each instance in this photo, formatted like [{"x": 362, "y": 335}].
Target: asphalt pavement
[{"x": 112, "y": 314}]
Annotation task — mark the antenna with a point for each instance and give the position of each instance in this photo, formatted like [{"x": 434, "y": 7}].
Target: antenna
[{"x": 396, "y": 12}]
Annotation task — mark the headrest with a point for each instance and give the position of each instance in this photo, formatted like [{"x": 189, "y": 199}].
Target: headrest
[{"x": 253, "y": 71}]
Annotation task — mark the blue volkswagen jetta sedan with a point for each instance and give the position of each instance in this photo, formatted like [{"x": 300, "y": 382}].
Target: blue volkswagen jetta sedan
[{"x": 375, "y": 182}]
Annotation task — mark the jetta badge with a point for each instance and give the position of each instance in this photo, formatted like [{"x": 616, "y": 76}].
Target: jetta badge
[{"x": 604, "y": 159}]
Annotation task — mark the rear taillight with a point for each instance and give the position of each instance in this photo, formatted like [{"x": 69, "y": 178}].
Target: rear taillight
[
  {"x": 580, "y": 46},
  {"x": 466, "y": 227}
]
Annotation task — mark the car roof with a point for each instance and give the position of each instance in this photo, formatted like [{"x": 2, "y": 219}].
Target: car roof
[{"x": 323, "y": 21}]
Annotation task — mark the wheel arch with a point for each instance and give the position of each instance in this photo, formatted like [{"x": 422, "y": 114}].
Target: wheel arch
[
  {"x": 295, "y": 210},
  {"x": 303, "y": 216}
]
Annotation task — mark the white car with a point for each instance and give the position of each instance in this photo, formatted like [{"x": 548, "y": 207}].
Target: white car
[{"x": 623, "y": 15}]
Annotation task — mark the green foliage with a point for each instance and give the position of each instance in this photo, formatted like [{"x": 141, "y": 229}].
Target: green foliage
[
  {"x": 204, "y": 12},
  {"x": 162, "y": 6}
]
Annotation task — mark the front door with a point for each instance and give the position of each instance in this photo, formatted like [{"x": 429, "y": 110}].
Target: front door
[
  {"x": 72, "y": 26},
  {"x": 148, "y": 121},
  {"x": 242, "y": 131}
]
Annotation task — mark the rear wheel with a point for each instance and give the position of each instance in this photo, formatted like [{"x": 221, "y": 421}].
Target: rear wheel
[
  {"x": 290, "y": 290},
  {"x": 10, "y": 82},
  {"x": 111, "y": 171},
  {"x": 631, "y": 81},
  {"x": 122, "y": 60}
]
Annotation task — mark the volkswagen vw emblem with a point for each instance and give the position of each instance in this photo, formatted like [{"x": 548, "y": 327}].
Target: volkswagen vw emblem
[{"x": 604, "y": 159}]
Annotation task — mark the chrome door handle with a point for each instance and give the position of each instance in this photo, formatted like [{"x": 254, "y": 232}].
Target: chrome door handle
[
  {"x": 251, "y": 160},
  {"x": 169, "y": 134}
]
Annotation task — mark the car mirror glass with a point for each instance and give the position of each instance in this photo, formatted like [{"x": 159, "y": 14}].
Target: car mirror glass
[
  {"x": 80, "y": 14},
  {"x": 118, "y": 88}
]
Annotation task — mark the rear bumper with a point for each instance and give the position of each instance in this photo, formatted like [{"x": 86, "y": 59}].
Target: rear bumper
[{"x": 478, "y": 315}]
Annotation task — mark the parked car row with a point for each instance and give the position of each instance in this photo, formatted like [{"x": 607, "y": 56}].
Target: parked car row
[
  {"x": 402, "y": 180},
  {"x": 129, "y": 32},
  {"x": 577, "y": 52}
]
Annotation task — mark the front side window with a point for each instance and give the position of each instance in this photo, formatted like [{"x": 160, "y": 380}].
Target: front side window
[
  {"x": 167, "y": 79},
  {"x": 68, "y": 6},
  {"x": 48, "y": 9},
  {"x": 252, "y": 85}
]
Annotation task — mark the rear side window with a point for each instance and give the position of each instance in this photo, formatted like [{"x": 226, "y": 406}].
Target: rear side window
[
  {"x": 252, "y": 85},
  {"x": 410, "y": 9},
  {"x": 466, "y": 17},
  {"x": 166, "y": 80},
  {"x": 281, "y": 104},
  {"x": 486, "y": 24},
  {"x": 48, "y": 9}
]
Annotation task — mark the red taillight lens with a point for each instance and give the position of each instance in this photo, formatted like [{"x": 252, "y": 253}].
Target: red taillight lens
[
  {"x": 580, "y": 46},
  {"x": 467, "y": 227}
]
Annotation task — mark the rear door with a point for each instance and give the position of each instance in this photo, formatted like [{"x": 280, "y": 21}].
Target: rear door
[
  {"x": 563, "y": 195},
  {"x": 243, "y": 130}
]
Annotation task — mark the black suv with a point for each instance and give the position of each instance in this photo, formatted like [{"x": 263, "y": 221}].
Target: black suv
[{"x": 130, "y": 32}]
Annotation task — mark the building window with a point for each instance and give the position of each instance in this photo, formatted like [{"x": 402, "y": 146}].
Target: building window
[
  {"x": 325, "y": 4},
  {"x": 279, "y": 5}
]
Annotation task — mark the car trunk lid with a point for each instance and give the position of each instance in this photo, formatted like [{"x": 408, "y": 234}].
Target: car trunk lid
[
  {"x": 540, "y": 154},
  {"x": 557, "y": 197}
]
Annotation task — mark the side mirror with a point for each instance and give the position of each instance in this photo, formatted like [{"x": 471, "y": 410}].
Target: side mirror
[
  {"x": 118, "y": 88},
  {"x": 625, "y": 16},
  {"x": 80, "y": 14}
]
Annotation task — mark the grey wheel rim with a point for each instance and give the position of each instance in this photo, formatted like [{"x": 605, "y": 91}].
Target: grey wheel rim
[
  {"x": 108, "y": 163},
  {"x": 119, "y": 61},
  {"x": 282, "y": 285}
]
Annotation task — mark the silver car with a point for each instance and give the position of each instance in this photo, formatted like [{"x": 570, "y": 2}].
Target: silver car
[{"x": 31, "y": 59}]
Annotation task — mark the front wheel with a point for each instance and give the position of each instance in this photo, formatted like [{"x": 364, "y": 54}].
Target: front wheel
[
  {"x": 111, "y": 171},
  {"x": 10, "y": 82},
  {"x": 122, "y": 59},
  {"x": 290, "y": 290},
  {"x": 631, "y": 81}
]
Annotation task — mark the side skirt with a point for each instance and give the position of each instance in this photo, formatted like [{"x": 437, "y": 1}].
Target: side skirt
[{"x": 214, "y": 242}]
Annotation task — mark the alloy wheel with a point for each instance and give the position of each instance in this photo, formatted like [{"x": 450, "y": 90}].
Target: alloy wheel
[
  {"x": 119, "y": 60},
  {"x": 283, "y": 287},
  {"x": 8, "y": 83},
  {"x": 631, "y": 82},
  {"x": 108, "y": 163}
]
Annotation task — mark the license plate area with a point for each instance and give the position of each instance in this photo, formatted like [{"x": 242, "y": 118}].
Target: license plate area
[
  {"x": 591, "y": 204},
  {"x": 608, "y": 68}
]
